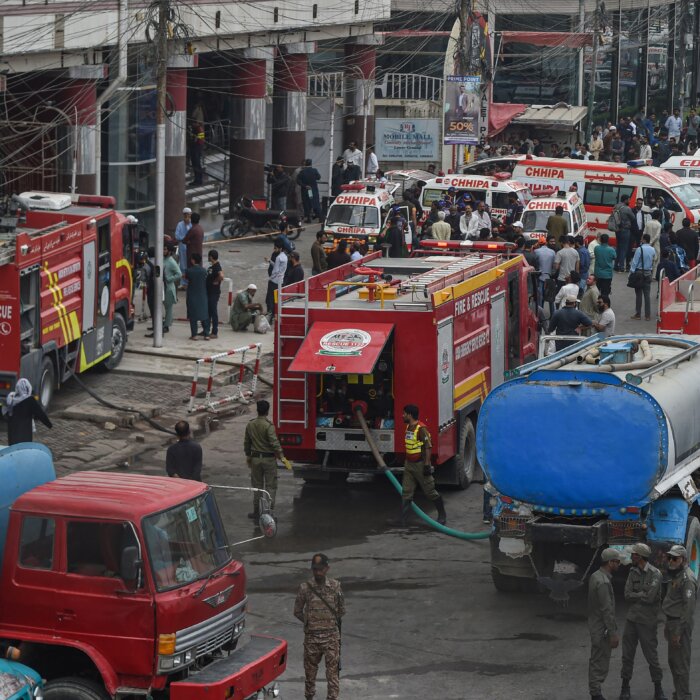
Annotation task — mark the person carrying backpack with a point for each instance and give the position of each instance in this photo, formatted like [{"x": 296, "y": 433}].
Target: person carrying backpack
[{"x": 624, "y": 219}]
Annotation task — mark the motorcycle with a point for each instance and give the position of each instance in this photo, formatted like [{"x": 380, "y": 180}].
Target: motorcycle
[{"x": 250, "y": 218}]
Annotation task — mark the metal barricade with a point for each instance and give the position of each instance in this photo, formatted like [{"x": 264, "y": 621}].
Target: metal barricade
[{"x": 241, "y": 394}]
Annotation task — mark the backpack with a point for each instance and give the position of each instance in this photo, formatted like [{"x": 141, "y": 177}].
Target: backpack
[{"x": 615, "y": 219}]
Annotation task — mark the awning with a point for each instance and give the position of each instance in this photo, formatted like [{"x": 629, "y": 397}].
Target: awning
[
  {"x": 332, "y": 347},
  {"x": 562, "y": 115},
  {"x": 570, "y": 40},
  {"x": 501, "y": 114}
]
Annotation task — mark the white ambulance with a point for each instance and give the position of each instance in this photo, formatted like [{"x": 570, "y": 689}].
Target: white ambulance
[
  {"x": 456, "y": 189},
  {"x": 601, "y": 184},
  {"x": 359, "y": 212},
  {"x": 543, "y": 205},
  {"x": 683, "y": 166}
]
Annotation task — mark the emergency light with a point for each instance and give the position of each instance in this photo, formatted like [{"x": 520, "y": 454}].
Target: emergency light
[{"x": 638, "y": 163}]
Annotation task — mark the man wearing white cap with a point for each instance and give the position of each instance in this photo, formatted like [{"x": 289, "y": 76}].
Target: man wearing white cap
[
  {"x": 181, "y": 230},
  {"x": 601, "y": 621},
  {"x": 244, "y": 309},
  {"x": 643, "y": 593},
  {"x": 679, "y": 608}
]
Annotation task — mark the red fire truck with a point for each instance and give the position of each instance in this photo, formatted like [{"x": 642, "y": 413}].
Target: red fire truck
[
  {"x": 434, "y": 330},
  {"x": 65, "y": 289},
  {"x": 677, "y": 313}
]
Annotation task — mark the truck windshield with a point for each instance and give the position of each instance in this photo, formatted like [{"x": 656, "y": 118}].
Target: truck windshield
[
  {"x": 688, "y": 195},
  {"x": 186, "y": 543},
  {"x": 536, "y": 220},
  {"x": 353, "y": 215}
]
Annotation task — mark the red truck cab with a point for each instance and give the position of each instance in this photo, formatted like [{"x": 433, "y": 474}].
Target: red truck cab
[{"x": 126, "y": 585}]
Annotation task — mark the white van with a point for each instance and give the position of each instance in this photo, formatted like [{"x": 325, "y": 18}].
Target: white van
[{"x": 683, "y": 166}]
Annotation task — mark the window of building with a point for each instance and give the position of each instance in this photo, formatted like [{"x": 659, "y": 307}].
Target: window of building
[
  {"x": 36, "y": 542},
  {"x": 94, "y": 549},
  {"x": 605, "y": 195}
]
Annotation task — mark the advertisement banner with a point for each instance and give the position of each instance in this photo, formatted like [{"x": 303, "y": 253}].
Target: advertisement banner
[
  {"x": 407, "y": 139},
  {"x": 462, "y": 109}
]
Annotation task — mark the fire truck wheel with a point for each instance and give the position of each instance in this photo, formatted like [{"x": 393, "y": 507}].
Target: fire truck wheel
[
  {"x": 118, "y": 342},
  {"x": 465, "y": 459},
  {"x": 47, "y": 382},
  {"x": 74, "y": 689}
]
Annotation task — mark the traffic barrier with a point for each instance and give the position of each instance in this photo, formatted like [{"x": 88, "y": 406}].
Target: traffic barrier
[{"x": 240, "y": 394}]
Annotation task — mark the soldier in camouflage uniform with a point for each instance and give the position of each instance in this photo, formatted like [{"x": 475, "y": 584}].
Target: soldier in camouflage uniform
[
  {"x": 262, "y": 450},
  {"x": 679, "y": 608},
  {"x": 320, "y": 606},
  {"x": 643, "y": 593},
  {"x": 601, "y": 621}
]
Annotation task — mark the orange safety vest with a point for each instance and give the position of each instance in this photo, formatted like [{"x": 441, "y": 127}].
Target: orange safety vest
[{"x": 414, "y": 445}]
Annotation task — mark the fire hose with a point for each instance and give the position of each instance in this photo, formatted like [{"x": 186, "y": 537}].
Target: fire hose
[{"x": 395, "y": 482}]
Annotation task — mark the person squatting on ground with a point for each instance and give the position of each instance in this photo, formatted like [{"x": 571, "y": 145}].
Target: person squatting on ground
[
  {"x": 417, "y": 469},
  {"x": 320, "y": 606}
]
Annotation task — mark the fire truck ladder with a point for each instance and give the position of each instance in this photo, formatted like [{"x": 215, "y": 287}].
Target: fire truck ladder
[
  {"x": 443, "y": 276},
  {"x": 288, "y": 317}
]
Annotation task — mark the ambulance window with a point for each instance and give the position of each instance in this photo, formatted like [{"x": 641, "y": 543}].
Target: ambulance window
[
  {"x": 353, "y": 215},
  {"x": 430, "y": 196},
  {"x": 677, "y": 171},
  {"x": 499, "y": 200},
  {"x": 651, "y": 194},
  {"x": 578, "y": 218},
  {"x": 605, "y": 195},
  {"x": 694, "y": 173}
]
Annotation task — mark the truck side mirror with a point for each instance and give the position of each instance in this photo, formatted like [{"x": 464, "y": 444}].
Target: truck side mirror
[{"x": 130, "y": 567}]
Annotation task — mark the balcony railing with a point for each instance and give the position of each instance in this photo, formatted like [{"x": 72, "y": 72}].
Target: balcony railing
[{"x": 391, "y": 86}]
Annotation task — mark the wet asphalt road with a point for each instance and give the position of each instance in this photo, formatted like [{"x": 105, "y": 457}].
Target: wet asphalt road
[{"x": 423, "y": 620}]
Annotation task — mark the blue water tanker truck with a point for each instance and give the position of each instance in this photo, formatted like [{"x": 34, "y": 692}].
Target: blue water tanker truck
[{"x": 595, "y": 446}]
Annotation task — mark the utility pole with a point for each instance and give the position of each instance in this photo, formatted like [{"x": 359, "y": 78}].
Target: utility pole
[
  {"x": 683, "y": 27},
  {"x": 463, "y": 61},
  {"x": 161, "y": 97},
  {"x": 594, "y": 64}
]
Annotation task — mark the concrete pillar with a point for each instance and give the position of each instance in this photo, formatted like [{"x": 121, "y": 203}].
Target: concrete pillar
[
  {"x": 247, "y": 142},
  {"x": 175, "y": 146},
  {"x": 358, "y": 98},
  {"x": 289, "y": 104},
  {"x": 78, "y": 99}
]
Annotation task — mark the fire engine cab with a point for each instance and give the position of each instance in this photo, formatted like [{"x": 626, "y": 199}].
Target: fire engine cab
[
  {"x": 543, "y": 205},
  {"x": 470, "y": 189},
  {"x": 65, "y": 288},
  {"x": 436, "y": 330},
  {"x": 360, "y": 211}
]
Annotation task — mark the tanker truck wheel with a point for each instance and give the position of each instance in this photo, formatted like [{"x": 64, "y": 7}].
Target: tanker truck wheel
[
  {"x": 465, "y": 460},
  {"x": 74, "y": 689},
  {"x": 692, "y": 545}
]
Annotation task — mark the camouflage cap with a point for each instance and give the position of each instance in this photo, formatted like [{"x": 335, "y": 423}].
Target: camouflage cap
[
  {"x": 642, "y": 549},
  {"x": 678, "y": 550},
  {"x": 610, "y": 554}
]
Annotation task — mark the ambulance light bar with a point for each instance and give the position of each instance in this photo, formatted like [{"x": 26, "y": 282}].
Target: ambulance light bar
[
  {"x": 639, "y": 162},
  {"x": 353, "y": 187},
  {"x": 502, "y": 246},
  {"x": 502, "y": 176},
  {"x": 543, "y": 191}
]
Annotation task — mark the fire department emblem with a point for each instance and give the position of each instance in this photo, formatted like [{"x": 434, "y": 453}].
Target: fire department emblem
[
  {"x": 346, "y": 342},
  {"x": 445, "y": 366}
]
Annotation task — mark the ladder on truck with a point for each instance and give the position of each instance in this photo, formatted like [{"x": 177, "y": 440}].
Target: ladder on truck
[
  {"x": 289, "y": 341},
  {"x": 447, "y": 275}
]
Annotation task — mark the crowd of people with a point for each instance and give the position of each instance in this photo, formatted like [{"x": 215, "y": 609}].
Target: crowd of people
[{"x": 641, "y": 136}]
